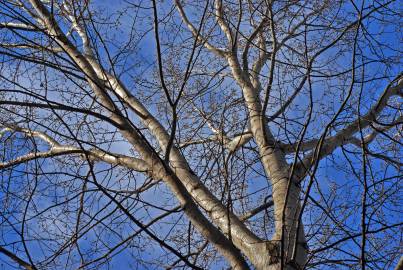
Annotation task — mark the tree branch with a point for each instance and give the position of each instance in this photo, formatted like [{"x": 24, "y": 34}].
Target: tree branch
[
  {"x": 193, "y": 29},
  {"x": 56, "y": 149},
  {"x": 18, "y": 26},
  {"x": 345, "y": 136},
  {"x": 17, "y": 259}
]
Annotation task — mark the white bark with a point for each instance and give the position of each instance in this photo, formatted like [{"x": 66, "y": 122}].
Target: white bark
[{"x": 180, "y": 179}]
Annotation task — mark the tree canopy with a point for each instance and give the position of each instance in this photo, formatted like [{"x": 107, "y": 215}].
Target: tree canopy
[{"x": 203, "y": 134}]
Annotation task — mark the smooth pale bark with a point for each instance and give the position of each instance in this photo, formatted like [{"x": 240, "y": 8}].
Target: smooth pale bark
[
  {"x": 182, "y": 186},
  {"x": 272, "y": 158},
  {"x": 277, "y": 169},
  {"x": 241, "y": 236},
  {"x": 230, "y": 224}
]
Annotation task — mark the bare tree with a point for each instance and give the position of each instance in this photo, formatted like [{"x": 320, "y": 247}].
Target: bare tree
[{"x": 255, "y": 134}]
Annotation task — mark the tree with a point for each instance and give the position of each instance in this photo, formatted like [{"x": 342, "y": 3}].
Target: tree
[{"x": 200, "y": 134}]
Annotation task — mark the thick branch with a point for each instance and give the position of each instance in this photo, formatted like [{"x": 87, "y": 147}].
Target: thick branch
[
  {"x": 18, "y": 26},
  {"x": 193, "y": 29},
  {"x": 57, "y": 149},
  {"x": 345, "y": 136},
  {"x": 17, "y": 259}
]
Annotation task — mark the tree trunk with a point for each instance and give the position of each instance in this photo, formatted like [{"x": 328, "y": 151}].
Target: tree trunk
[{"x": 277, "y": 169}]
